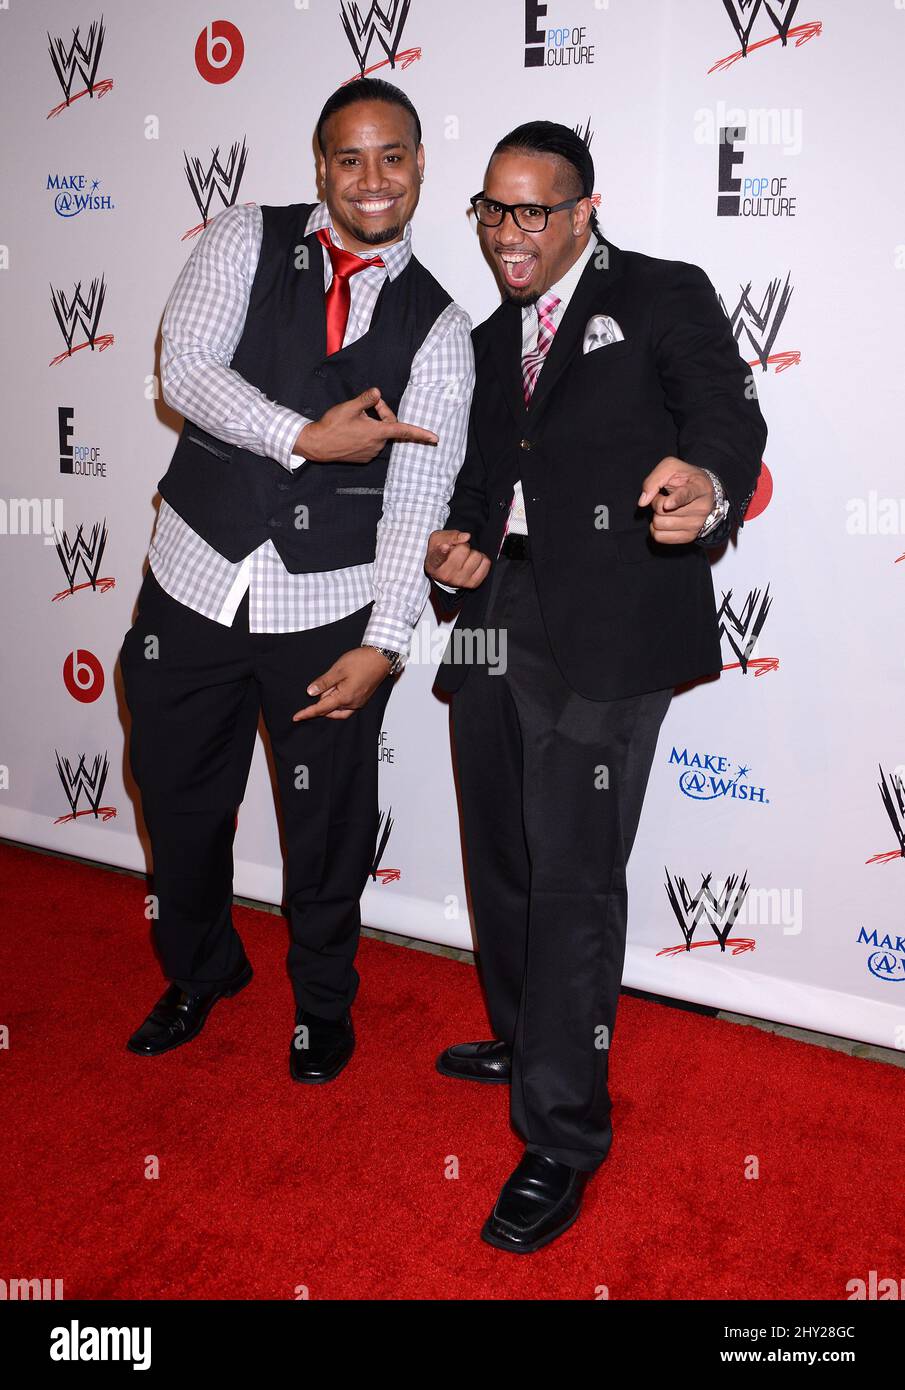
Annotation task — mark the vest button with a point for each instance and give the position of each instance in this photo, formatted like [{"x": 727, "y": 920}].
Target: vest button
[{"x": 524, "y": 444}]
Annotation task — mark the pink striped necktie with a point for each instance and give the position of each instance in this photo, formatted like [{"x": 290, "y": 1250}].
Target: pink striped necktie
[{"x": 546, "y": 332}]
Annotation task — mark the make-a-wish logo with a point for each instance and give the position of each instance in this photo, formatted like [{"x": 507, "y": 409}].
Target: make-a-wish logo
[
  {"x": 887, "y": 958},
  {"x": 707, "y": 776},
  {"x": 80, "y": 311},
  {"x": 892, "y": 792},
  {"x": 385, "y": 825},
  {"x": 75, "y": 193},
  {"x": 84, "y": 780},
  {"x": 756, "y": 324},
  {"x": 711, "y": 912},
  {"x": 778, "y": 13},
  {"x": 217, "y": 177},
  {"x": 741, "y": 631},
  {"x": 79, "y": 60},
  {"x": 84, "y": 552},
  {"x": 378, "y": 25}
]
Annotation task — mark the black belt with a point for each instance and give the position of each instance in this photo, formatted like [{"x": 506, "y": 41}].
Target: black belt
[{"x": 516, "y": 547}]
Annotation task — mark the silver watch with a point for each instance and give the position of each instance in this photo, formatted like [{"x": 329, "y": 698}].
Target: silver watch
[
  {"x": 720, "y": 504},
  {"x": 394, "y": 658}
]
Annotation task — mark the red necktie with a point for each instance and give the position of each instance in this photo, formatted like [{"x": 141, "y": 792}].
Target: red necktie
[{"x": 338, "y": 297}]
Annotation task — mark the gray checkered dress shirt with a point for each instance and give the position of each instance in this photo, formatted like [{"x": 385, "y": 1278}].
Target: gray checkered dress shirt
[{"x": 202, "y": 325}]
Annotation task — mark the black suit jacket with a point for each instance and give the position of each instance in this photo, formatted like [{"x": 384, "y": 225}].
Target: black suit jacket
[{"x": 624, "y": 614}]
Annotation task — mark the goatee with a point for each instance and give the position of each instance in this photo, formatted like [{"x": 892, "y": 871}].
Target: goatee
[
  {"x": 372, "y": 236},
  {"x": 524, "y": 301}
]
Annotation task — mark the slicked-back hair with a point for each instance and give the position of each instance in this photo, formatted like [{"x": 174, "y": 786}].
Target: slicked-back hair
[
  {"x": 559, "y": 142},
  {"x": 367, "y": 89}
]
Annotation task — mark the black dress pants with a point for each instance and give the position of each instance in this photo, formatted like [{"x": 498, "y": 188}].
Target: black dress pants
[
  {"x": 195, "y": 689},
  {"x": 552, "y": 786}
]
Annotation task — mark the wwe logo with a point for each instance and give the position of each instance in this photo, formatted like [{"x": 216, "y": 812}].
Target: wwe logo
[
  {"x": 892, "y": 791},
  {"x": 80, "y": 310},
  {"x": 736, "y": 11},
  {"x": 746, "y": 628},
  {"x": 743, "y": 13},
  {"x": 761, "y": 323},
  {"x": 223, "y": 179},
  {"x": 385, "y": 825},
  {"x": 87, "y": 552},
  {"x": 382, "y": 22},
  {"x": 90, "y": 781},
  {"x": 587, "y": 135},
  {"x": 718, "y": 913},
  {"x": 82, "y": 59}
]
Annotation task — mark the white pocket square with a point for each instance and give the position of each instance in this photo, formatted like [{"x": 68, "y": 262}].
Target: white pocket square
[{"x": 600, "y": 330}]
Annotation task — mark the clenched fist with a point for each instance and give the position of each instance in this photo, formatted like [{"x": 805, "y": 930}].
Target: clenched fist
[
  {"x": 451, "y": 560},
  {"x": 682, "y": 508}
]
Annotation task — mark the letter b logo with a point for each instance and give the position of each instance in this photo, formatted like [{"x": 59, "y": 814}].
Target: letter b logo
[{"x": 219, "y": 51}]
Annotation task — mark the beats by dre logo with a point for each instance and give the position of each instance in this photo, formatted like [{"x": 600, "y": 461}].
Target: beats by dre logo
[
  {"x": 219, "y": 51},
  {"x": 762, "y": 494},
  {"x": 83, "y": 675}
]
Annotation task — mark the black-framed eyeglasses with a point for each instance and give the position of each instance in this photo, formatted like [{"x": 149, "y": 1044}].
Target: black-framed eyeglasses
[{"x": 528, "y": 217}]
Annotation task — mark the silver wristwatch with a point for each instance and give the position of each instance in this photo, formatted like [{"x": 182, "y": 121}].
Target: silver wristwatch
[
  {"x": 720, "y": 505},
  {"x": 394, "y": 658}
]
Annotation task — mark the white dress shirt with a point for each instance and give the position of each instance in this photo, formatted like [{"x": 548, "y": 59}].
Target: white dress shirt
[
  {"x": 202, "y": 325},
  {"x": 565, "y": 288}
]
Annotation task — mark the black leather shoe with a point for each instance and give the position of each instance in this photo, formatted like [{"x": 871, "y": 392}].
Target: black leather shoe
[
  {"x": 177, "y": 1017},
  {"x": 331, "y": 1043},
  {"x": 539, "y": 1201},
  {"x": 480, "y": 1061}
]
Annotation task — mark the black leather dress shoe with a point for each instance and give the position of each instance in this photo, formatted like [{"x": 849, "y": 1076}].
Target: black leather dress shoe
[
  {"x": 479, "y": 1061},
  {"x": 539, "y": 1201},
  {"x": 330, "y": 1044},
  {"x": 177, "y": 1017}
]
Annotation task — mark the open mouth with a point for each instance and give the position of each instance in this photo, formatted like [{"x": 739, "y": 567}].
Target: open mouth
[
  {"x": 518, "y": 267},
  {"x": 374, "y": 207}
]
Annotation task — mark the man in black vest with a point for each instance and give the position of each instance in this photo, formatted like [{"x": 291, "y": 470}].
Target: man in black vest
[
  {"x": 286, "y": 569},
  {"x": 614, "y": 432}
]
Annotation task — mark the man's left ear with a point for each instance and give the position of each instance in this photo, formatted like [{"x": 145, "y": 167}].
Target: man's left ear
[{"x": 581, "y": 217}]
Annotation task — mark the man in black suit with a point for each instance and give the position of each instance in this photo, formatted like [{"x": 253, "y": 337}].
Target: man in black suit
[{"x": 614, "y": 434}]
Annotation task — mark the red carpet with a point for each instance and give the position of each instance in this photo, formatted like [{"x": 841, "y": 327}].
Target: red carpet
[{"x": 265, "y": 1186}]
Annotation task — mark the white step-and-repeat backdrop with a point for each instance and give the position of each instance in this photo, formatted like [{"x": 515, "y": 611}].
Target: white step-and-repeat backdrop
[{"x": 760, "y": 139}]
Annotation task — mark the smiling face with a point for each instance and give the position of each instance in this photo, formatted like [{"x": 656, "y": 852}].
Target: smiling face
[
  {"x": 528, "y": 263},
  {"x": 371, "y": 170}
]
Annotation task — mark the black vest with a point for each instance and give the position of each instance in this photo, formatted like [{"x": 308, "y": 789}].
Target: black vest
[{"x": 325, "y": 515}]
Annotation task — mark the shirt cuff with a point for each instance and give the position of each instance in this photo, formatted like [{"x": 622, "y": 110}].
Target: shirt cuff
[
  {"x": 384, "y": 631},
  {"x": 282, "y": 433}
]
